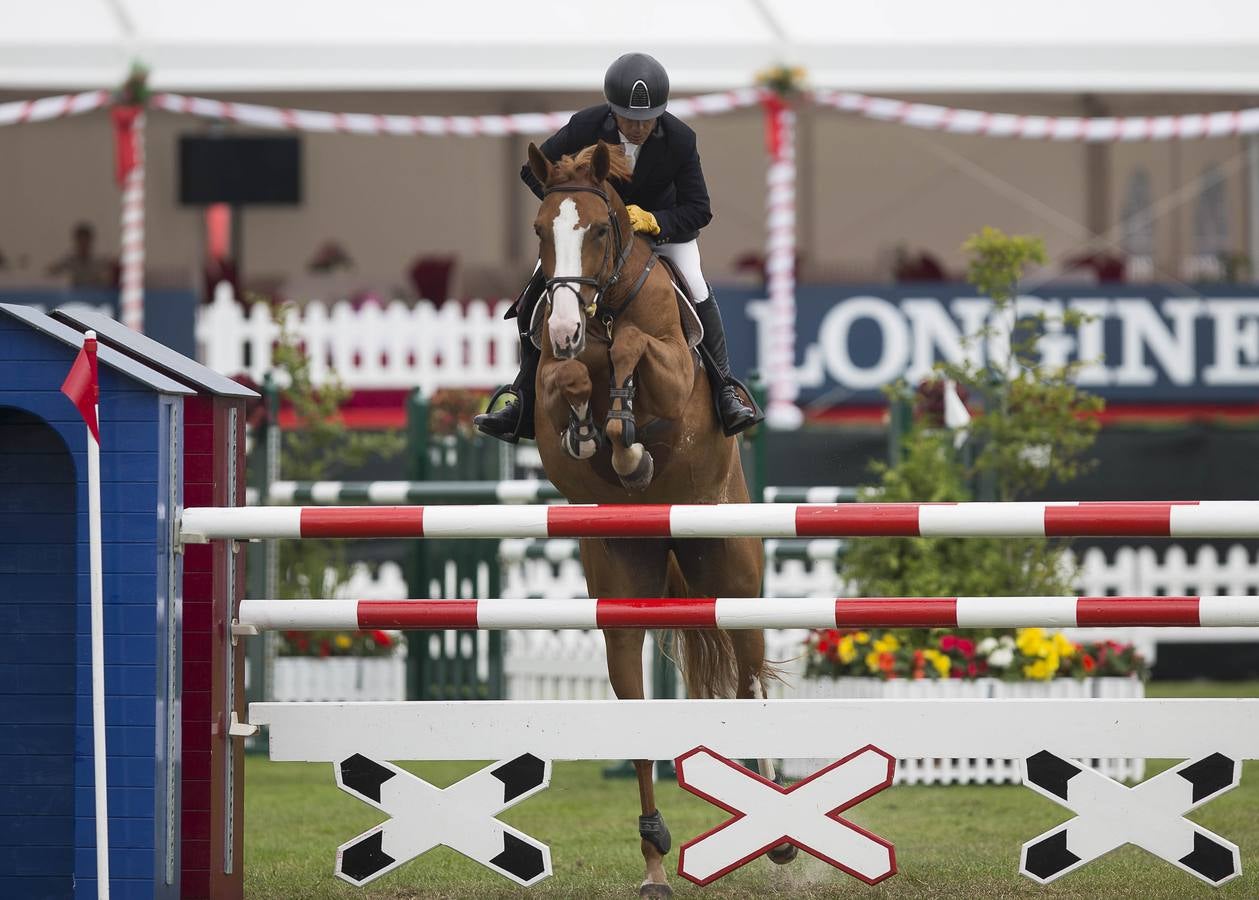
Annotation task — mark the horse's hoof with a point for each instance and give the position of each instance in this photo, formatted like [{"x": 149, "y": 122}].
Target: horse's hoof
[
  {"x": 642, "y": 474},
  {"x": 654, "y": 889},
  {"x": 783, "y": 854},
  {"x": 577, "y": 448}
]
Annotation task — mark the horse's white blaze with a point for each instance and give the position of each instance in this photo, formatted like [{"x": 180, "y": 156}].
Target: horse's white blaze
[{"x": 565, "y": 321}]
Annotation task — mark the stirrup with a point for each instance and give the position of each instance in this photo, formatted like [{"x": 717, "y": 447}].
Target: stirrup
[
  {"x": 512, "y": 437},
  {"x": 758, "y": 414}
]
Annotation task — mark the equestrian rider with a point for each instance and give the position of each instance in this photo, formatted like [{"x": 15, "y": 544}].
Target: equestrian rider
[{"x": 667, "y": 201}]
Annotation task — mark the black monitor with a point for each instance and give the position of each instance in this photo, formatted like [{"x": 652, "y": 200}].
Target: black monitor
[{"x": 239, "y": 170}]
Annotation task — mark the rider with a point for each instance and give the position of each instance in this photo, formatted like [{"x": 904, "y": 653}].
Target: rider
[{"x": 667, "y": 201}]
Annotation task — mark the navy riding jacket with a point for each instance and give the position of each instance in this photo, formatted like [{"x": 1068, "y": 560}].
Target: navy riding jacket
[{"x": 668, "y": 181}]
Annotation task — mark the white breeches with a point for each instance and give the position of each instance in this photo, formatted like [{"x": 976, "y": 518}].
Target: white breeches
[{"x": 686, "y": 258}]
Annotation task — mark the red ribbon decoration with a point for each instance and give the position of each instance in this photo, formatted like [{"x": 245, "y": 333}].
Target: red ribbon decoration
[
  {"x": 125, "y": 154},
  {"x": 774, "y": 106}
]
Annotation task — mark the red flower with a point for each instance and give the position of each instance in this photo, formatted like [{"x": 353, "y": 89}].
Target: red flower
[
  {"x": 966, "y": 647},
  {"x": 1088, "y": 663},
  {"x": 948, "y": 642},
  {"x": 325, "y": 648},
  {"x": 381, "y": 638},
  {"x": 972, "y": 670}
]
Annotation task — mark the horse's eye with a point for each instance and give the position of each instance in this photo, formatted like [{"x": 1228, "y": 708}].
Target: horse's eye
[{"x": 601, "y": 230}]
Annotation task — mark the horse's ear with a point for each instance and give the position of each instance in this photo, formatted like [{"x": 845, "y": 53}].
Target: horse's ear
[
  {"x": 539, "y": 165},
  {"x": 600, "y": 163}
]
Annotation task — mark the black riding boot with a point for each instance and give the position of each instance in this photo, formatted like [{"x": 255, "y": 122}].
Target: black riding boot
[
  {"x": 735, "y": 415},
  {"x": 515, "y": 420}
]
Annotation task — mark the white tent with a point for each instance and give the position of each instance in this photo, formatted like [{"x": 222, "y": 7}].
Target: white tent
[{"x": 890, "y": 45}]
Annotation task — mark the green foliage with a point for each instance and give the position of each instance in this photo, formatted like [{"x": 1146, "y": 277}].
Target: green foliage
[
  {"x": 308, "y": 453},
  {"x": 1030, "y": 427}
]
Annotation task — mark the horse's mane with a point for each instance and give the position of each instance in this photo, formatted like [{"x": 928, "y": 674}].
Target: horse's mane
[{"x": 577, "y": 166}]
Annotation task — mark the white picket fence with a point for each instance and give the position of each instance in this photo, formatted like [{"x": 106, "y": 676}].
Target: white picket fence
[
  {"x": 546, "y": 665},
  {"x": 972, "y": 770},
  {"x": 459, "y": 345}
]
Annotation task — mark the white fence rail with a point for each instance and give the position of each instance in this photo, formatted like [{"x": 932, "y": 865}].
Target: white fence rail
[{"x": 393, "y": 346}]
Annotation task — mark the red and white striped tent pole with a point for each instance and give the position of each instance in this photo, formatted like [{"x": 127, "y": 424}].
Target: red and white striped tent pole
[
  {"x": 738, "y": 613},
  {"x": 1205, "y": 519}
]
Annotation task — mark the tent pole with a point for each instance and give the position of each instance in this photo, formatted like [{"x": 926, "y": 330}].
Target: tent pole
[{"x": 1252, "y": 205}]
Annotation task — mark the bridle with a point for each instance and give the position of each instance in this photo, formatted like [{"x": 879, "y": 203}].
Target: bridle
[{"x": 599, "y": 307}]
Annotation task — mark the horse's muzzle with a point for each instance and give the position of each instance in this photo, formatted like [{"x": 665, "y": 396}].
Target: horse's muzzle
[{"x": 570, "y": 345}]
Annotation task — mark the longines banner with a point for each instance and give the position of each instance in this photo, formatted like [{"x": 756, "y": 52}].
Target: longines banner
[{"x": 1139, "y": 344}]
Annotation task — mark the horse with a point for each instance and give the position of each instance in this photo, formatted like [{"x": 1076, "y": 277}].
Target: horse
[{"x": 624, "y": 414}]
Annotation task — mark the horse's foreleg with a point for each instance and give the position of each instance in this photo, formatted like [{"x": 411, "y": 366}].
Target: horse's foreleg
[
  {"x": 566, "y": 393},
  {"x": 647, "y": 370}
]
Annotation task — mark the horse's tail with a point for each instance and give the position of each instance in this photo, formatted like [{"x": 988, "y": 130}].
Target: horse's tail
[{"x": 705, "y": 656}]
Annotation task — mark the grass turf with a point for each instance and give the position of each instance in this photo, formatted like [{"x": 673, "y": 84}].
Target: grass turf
[{"x": 954, "y": 841}]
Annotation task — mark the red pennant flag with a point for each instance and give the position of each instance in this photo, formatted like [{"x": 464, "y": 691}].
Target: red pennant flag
[{"x": 82, "y": 387}]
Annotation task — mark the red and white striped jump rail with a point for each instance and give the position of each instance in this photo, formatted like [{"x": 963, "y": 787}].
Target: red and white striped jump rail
[
  {"x": 753, "y": 613},
  {"x": 1205, "y": 519}
]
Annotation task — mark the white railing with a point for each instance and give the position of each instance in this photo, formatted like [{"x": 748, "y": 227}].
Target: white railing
[{"x": 394, "y": 346}]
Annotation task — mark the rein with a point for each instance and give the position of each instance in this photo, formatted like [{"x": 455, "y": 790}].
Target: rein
[{"x": 599, "y": 308}]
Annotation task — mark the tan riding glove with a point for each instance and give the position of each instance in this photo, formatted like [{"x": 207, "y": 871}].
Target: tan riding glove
[{"x": 642, "y": 220}]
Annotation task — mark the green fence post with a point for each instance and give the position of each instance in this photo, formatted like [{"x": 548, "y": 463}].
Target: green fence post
[
  {"x": 417, "y": 570},
  {"x": 757, "y": 441}
]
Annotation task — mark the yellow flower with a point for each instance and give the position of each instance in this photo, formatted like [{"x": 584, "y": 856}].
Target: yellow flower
[
  {"x": 343, "y": 641},
  {"x": 1030, "y": 640},
  {"x": 887, "y": 644},
  {"x": 1038, "y": 670},
  {"x": 872, "y": 660},
  {"x": 862, "y": 637},
  {"x": 1063, "y": 645},
  {"x": 847, "y": 649},
  {"x": 940, "y": 661}
]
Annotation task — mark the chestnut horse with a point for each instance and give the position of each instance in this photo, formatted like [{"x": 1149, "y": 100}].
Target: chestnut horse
[{"x": 624, "y": 415}]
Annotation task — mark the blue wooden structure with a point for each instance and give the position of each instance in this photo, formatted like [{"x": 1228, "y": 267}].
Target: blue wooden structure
[{"x": 47, "y": 837}]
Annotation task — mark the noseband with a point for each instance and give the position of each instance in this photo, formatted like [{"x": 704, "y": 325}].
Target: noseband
[{"x": 606, "y": 313}]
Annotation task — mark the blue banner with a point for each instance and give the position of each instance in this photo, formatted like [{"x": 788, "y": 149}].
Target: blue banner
[{"x": 1145, "y": 343}]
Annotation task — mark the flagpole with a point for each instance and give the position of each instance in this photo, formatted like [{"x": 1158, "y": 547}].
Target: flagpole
[{"x": 98, "y": 646}]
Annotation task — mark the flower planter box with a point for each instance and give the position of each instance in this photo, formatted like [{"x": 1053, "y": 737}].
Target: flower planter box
[
  {"x": 968, "y": 771},
  {"x": 339, "y": 678}
]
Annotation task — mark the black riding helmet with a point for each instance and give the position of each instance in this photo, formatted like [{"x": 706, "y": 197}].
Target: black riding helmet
[{"x": 636, "y": 86}]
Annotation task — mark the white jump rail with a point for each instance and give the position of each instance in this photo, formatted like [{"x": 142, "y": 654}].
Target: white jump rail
[
  {"x": 753, "y": 613},
  {"x": 1189, "y": 519},
  {"x": 665, "y": 729}
]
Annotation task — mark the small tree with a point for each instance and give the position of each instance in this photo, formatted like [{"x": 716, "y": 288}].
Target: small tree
[
  {"x": 319, "y": 444},
  {"x": 1030, "y": 426}
]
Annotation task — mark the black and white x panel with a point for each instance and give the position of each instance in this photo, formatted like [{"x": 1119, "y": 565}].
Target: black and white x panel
[
  {"x": 460, "y": 817},
  {"x": 806, "y": 814},
  {"x": 1150, "y": 815}
]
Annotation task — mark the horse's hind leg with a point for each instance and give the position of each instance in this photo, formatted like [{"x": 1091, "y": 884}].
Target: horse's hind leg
[
  {"x": 733, "y": 568},
  {"x": 636, "y": 568}
]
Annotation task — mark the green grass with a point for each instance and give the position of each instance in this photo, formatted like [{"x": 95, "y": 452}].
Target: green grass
[{"x": 956, "y": 841}]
